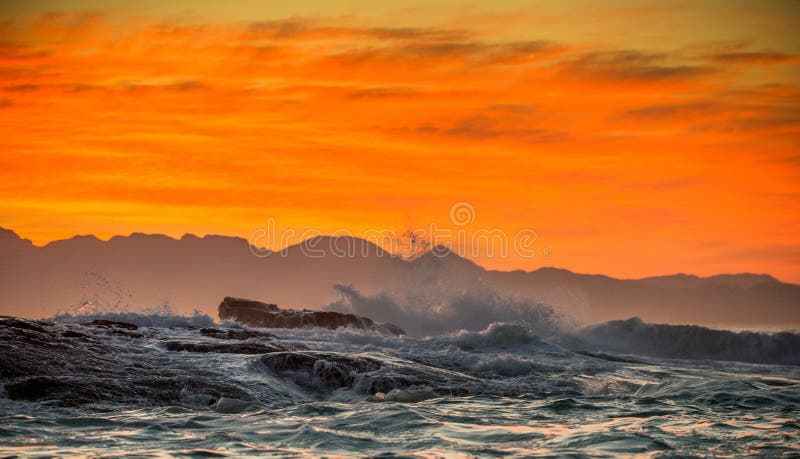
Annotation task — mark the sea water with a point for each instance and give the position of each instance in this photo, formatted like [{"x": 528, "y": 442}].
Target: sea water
[{"x": 497, "y": 392}]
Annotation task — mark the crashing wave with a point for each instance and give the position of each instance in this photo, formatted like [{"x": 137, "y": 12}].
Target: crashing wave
[
  {"x": 496, "y": 335},
  {"x": 504, "y": 365},
  {"x": 633, "y": 336},
  {"x": 473, "y": 309}
]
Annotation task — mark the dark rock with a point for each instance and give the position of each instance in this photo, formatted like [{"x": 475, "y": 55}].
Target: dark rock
[
  {"x": 232, "y": 333},
  {"x": 74, "y": 334},
  {"x": 125, "y": 333},
  {"x": 115, "y": 328},
  {"x": 111, "y": 324},
  {"x": 243, "y": 310},
  {"x": 257, "y": 314},
  {"x": 67, "y": 390},
  {"x": 327, "y": 371},
  {"x": 14, "y": 322},
  {"x": 235, "y": 348},
  {"x": 45, "y": 362}
]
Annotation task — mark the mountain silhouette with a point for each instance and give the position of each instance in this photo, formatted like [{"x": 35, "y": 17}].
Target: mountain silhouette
[{"x": 147, "y": 270}]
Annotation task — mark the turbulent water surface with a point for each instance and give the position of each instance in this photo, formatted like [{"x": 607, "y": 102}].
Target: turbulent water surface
[{"x": 184, "y": 390}]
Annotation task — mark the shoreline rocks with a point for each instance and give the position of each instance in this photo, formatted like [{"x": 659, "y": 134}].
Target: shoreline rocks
[{"x": 258, "y": 314}]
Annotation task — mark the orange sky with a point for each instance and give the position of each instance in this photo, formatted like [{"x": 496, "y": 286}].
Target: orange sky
[{"x": 635, "y": 139}]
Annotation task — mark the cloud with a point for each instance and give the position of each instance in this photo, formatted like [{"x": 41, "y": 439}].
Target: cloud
[
  {"x": 22, "y": 87},
  {"x": 478, "y": 51},
  {"x": 754, "y": 58},
  {"x": 407, "y": 33},
  {"x": 14, "y": 51},
  {"x": 722, "y": 116},
  {"x": 313, "y": 29},
  {"x": 482, "y": 127},
  {"x": 630, "y": 66},
  {"x": 381, "y": 93},
  {"x": 179, "y": 85},
  {"x": 788, "y": 119},
  {"x": 513, "y": 108},
  {"x": 671, "y": 111}
]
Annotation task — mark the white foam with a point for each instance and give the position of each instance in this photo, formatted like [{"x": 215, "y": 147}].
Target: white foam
[
  {"x": 234, "y": 405},
  {"x": 409, "y": 395},
  {"x": 496, "y": 335},
  {"x": 504, "y": 365},
  {"x": 142, "y": 319}
]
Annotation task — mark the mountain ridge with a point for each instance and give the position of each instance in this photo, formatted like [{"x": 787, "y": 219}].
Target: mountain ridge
[
  {"x": 144, "y": 270},
  {"x": 191, "y": 236}
]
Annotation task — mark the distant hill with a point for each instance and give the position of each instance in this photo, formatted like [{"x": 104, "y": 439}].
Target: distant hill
[{"x": 143, "y": 270}]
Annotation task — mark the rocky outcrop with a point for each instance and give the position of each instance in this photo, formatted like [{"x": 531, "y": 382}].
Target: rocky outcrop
[
  {"x": 258, "y": 314},
  {"x": 111, "y": 324},
  {"x": 235, "y": 348},
  {"x": 72, "y": 364},
  {"x": 366, "y": 374},
  {"x": 234, "y": 334}
]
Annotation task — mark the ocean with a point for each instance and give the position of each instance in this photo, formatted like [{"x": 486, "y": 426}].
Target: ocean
[{"x": 189, "y": 388}]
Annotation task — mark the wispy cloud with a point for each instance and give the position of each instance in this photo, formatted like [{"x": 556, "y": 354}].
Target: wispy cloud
[
  {"x": 755, "y": 58},
  {"x": 628, "y": 65}
]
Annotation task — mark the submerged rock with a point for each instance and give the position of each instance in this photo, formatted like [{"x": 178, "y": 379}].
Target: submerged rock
[
  {"x": 258, "y": 314},
  {"x": 232, "y": 333},
  {"x": 324, "y": 370},
  {"x": 115, "y": 328},
  {"x": 235, "y": 348},
  {"x": 111, "y": 324},
  {"x": 367, "y": 374},
  {"x": 410, "y": 395}
]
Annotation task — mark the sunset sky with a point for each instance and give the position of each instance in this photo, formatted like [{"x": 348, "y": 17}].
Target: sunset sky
[{"x": 636, "y": 138}]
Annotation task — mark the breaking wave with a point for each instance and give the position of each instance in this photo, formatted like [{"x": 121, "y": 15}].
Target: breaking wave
[
  {"x": 159, "y": 316},
  {"x": 481, "y": 318},
  {"x": 443, "y": 312},
  {"x": 496, "y": 335},
  {"x": 633, "y": 336}
]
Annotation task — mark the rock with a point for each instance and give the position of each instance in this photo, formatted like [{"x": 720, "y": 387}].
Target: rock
[
  {"x": 245, "y": 311},
  {"x": 365, "y": 374},
  {"x": 410, "y": 395},
  {"x": 111, "y": 324},
  {"x": 231, "y": 333},
  {"x": 323, "y": 370},
  {"x": 115, "y": 328},
  {"x": 74, "y": 334},
  {"x": 235, "y": 348},
  {"x": 258, "y": 314},
  {"x": 71, "y": 365},
  {"x": 23, "y": 324}
]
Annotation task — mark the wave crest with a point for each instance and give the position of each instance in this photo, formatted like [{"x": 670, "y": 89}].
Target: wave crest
[
  {"x": 633, "y": 336},
  {"x": 164, "y": 317}
]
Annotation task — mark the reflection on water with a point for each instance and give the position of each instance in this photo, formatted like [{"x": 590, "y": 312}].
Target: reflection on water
[{"x": 607, "y": 425}]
